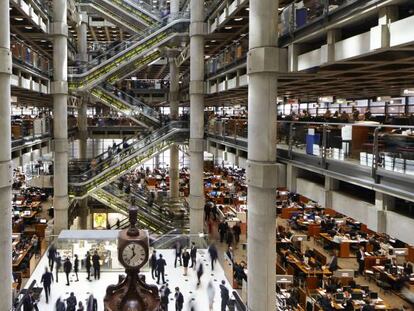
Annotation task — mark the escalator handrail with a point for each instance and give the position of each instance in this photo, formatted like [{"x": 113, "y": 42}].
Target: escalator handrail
[
  {"x": 125, "y": 46},
  {"x": 144, "y": 108},
  {"x": 149, "y": 140},
  {"x": 149, "y": 220},
  {"x": 147, "y": 8},
  {"x": 104, "y": 157},
  {"x": 161, "y": 220}
]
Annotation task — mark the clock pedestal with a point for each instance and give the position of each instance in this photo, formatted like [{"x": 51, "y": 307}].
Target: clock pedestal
[{"x": 132, "y": 293}]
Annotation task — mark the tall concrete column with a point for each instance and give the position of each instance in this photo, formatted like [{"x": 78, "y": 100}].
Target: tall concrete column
[
  {"x": 262, "y": 68},
  {"x": 196, "y": 199},
  {"x": 5, "y": 159},
  {"x": 331, "y": 185},
  {"x": 291, "y": 177},
  {"x": 174, "y": 8},
  {"x": 174, "y": 111},
  {"x": 383, "y": 203},
  {"x": 332, "y": 37},
  {"x": 380, "y": 34},
  {"x": 83, "y": 38},
  {"x": 60, "y": 115}
]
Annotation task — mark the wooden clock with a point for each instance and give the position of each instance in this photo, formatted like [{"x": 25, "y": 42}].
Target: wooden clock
[{"x": 132, "y": 293}]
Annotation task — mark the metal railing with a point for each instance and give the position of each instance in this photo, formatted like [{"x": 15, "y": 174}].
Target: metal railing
[
  {"x": 294, "y": 18},
  {"x": 373, "y": 145},
  {"x": 122, "y": 162},
  {"x": 131, "y": 102}
]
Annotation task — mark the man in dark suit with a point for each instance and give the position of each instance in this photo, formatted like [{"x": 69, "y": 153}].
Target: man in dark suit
[
  {"x": 179, "y": 300},
  {"x": 47, "y": 279},
  {"x": 153, "y": 264},
  {"x": 225, "y": 295},
  {"x": 51, "y": 254},
  {"x": 193, "y": 255},
  {"x": 96, "y": 266},
  {"x": 67, "y": 267},
  {"x": 161, "y": 269}
]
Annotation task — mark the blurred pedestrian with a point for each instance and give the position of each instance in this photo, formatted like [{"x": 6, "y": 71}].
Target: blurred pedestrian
[
  {"x": 200, "y": 272},
  {"x": 211, "y": 292},
  {"x": 186, "y": 260},
  {"x": 212, "y": 251}
]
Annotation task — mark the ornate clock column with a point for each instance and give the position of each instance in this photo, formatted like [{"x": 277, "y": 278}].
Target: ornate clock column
[{"x": 132, "y": 293}]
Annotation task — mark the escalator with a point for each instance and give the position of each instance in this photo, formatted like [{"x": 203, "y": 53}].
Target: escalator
[
  {"x": 133, "y": 11},
  {"x": 112, "y": 166},
  {"x": 95, "y": 7},
  {"x": 160, "y": 212},
  {"x": 129, "y": 106},
  {"x": 145, "y": 219},
  {"x": 135, "y": 14},
  {"x": 127, "y": 57}
]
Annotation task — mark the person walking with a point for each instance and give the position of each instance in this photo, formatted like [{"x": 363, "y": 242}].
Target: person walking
[
  {"x": 237, "y": 232},
  {"x": 178, "y": 252},
  {"x": 71, "y": 302},
  {"x": 80, "y": 306},
  {"x": 179, "y": 300},
  {"x": 230, "y": 238},
  {"x": 200, "y": 272},
  {"x": 212, "y": 251},
  {"x": 51, "y": 255},
  {"x": 96, "y": 266},
  {"x": 222, "y": 229},
  {"x": 88, "y": 265},
  {"x": 161, "y": 269},
  {"x": 46, "y": 280},
  {"x": 193, "y": 255},
  {"x": 225, "y": 296},
  {"x": 211, "y": 292},
  {"x": 67, "y": 268},
  {"x": 153, "y": 264},
  {"x": 76, "y": 267},
  {"x": 58, "y": 263},
  {"x": 186, "y": 261},
  {"x": 92, "y": 304},
  {"x": 165, "y": 292},
  {"x": 60, "y": 305}
]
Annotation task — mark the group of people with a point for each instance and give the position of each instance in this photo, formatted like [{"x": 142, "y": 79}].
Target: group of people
[{"x": 55, "y": 264}]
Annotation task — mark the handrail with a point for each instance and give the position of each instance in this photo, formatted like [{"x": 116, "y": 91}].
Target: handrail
[
  {"x": 21, "y": 301},
  {"x": 126, "y": 46},
  {"x": 106, "y": 157},
  {"x": 135, "y": 103}
]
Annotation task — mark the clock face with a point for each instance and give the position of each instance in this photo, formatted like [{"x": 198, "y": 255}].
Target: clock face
[{"x": 134, "y": 255}]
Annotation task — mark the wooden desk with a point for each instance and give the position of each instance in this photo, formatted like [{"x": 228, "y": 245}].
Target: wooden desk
[
  {"x": 344, "y": 246},
  {"x": 18, "y": 261}
]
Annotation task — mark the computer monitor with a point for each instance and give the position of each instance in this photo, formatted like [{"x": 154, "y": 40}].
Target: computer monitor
[
  {"x": 344, "y": 273},
  {"x": 26, "y": 213},
  {"x": 299, "y": 237},
  {"x": 365, "y": 289},
  {"x": 357, "y": 296},
  {"x": 373, "y": 295},
  {"x": 339, "y": 297},
  {"x": 401, "y": 251},
  {"x": 284, "y": 279}
]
